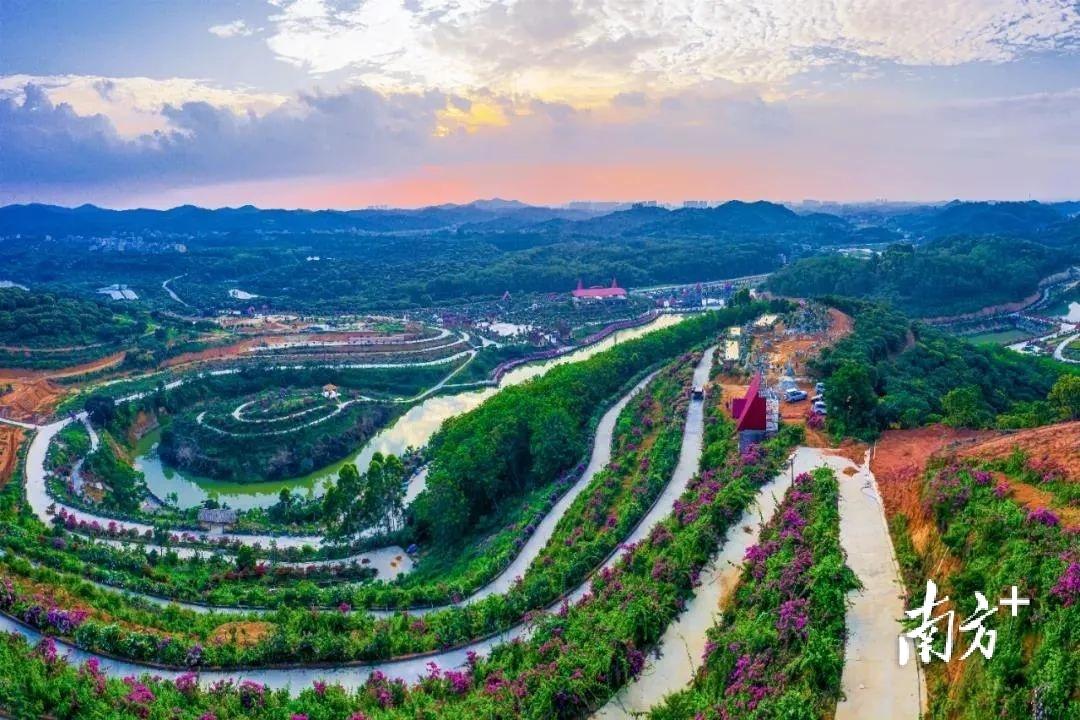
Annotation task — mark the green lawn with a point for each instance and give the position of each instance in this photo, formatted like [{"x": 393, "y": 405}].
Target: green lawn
[{"x": 998, "y": 337}]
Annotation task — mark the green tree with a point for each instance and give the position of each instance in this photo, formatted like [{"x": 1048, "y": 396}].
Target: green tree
[
  {"x": 446, "y": 511},
  {"x": 965, "y": 407},
  {"x": 852, "y": 401},
  {"x": 245, "y": 557},
  {"x": 101, "y": 409},
  {"x": 741, "y": 298},
  {"x": 340, "y": 499},
  {"x": 360, "y": 502},
  {"x": 1065, "y": 396}
]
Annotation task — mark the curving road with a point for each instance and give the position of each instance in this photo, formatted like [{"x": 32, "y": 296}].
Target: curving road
[
  {"x": 411, "y": 669},
  {"x": 390, "y": 561},
  {"x": 1059, "y": 351}
]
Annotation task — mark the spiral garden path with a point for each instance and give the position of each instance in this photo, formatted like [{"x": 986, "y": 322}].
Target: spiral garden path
[
  {"x": 390, "y": 561},
  {"x": 598, "y": 460}
]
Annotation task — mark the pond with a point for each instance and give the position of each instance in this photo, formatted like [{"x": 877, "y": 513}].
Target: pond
[
  {"x": 412, "y": 429},
  {"x": 1072, "y": 313},
  {"x": 1065, "y": 304}
]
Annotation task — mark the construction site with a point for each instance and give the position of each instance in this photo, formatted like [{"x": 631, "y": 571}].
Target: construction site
[{"x": 774, "y": 368}]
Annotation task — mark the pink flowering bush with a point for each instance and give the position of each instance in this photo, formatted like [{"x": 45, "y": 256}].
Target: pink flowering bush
[
  {"x": 1067, "y": 588},
  {"x": 995, "y": 542},
  {"x": 1044, "y": 516},
  {"x": 564, "y": 666},
  {"x": 790, "y": 603}
]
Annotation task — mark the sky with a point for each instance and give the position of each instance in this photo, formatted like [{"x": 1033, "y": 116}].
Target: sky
[{"x": 352, "y": 103}]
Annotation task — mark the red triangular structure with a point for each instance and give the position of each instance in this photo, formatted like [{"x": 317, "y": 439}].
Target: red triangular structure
[{"x": 749, "y": 411}]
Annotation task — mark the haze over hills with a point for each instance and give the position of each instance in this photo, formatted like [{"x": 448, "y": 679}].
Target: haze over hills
[{"x": 842, "y": 223}]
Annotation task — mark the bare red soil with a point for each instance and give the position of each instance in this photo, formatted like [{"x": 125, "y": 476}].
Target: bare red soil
[
  {"x": 10, "y": 438},
  {"x": 900, "y": 458},
  {"x": 1057, "y": 445},
  {"x": 30, "y": 400},
  {"x": 33, "y": 396}
]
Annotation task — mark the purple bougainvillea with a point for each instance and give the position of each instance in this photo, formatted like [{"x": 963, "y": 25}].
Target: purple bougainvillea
[
  {"x": 1067, "y": 588},
  {"x": 1044, "y": 516},
  {"x": 793, "y": 618}
]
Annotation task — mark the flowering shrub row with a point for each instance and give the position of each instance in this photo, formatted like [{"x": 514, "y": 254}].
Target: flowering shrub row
[
  {"x": 778, "y": 650},
  {"x": 647, "y": 441},
  {"x": 990, "y": 542},
  {"x": 570, "y": 663}
]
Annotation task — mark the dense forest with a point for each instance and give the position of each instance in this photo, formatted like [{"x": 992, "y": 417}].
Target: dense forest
[
  {"x": 47, "y": 320},
  {"x": 333, "y": 261},
  {"x": 942, "y": 277},
  {"x": 891, "y": 372}
]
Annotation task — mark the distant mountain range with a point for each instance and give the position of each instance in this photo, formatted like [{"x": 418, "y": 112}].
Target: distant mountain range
[
  {"x": 187, "y": 219},
  {"x": 487, "y": 216},
  {"x": 847, "y": 223}
]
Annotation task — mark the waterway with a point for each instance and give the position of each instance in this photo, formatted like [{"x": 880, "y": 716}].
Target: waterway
[{"x": 412, "y": 429}]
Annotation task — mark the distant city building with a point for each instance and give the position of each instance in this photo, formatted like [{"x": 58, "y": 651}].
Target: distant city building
[
  {"x": 598, "y": 292},
  {"x": 644, "y": 204},
  {"x": 595, "y": 206},
  {"x": 696, "y": 204}
]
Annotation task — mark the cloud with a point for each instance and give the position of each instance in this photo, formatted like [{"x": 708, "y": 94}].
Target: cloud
[
  {"x": 236, "y": 28},
  {"x": 714, "y": 141},
  {"x": 358, "y": 131},
  {"x": 134, "y": 104},
  {"x": 587, "y": 51}
]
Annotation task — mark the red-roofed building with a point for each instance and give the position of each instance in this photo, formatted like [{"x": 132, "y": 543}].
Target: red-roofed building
[
  {"x": 598, "y": 292},
  {"x": 749, "y": 411}
]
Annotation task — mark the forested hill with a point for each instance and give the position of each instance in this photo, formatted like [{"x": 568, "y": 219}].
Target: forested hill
[
  {"x": 1019, "y": 219},
  {"x": 392, "y": 259},
  {"x": 941, "y": 277},
  {"x": 732, "y": 217},
  {"x": 89, "y": 220},
  {"x": 44, "y": 320}
]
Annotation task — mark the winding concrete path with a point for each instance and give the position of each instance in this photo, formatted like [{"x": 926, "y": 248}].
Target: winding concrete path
[
  {"x": 1059, "y": 351},
  {"x": 383, "y": 557},
  {"x": 401, "y": 563},
  {"x": 874, "y": 683},
  {"x": 18, "y": 423},
  {"x": 681, "y": 649},
  {"x": 390, "y": 561},
  {"x": 171, "y": 292},
  {"x": 601, "y": 456},
  {"x": 411, "y": 669}
]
